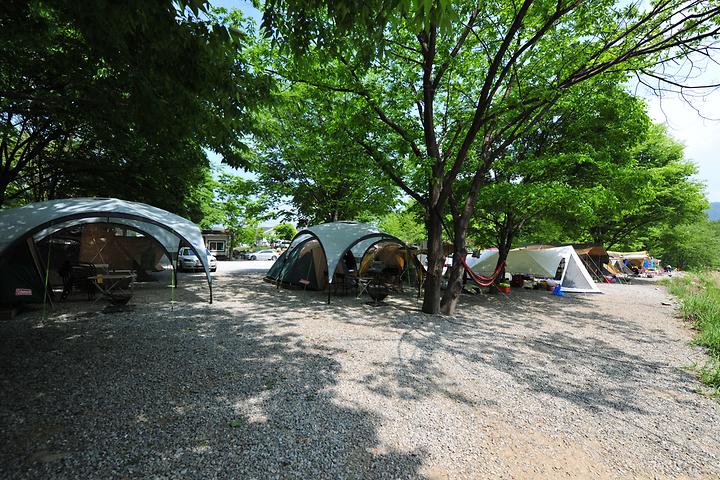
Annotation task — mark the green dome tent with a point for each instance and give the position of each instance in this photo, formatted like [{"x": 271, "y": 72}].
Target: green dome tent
[{"x": 318, "y": 253}]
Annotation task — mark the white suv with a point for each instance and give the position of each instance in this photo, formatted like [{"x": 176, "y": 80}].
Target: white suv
[
  {"x": 262, "y": 255},
  {"x": 187, "y": 260}
]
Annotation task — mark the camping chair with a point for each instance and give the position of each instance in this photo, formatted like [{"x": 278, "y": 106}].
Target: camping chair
[
  {"x": 118, "y": 288},
  {"x": 78, "y": 275},
  {"x": 372, "y": 274}
]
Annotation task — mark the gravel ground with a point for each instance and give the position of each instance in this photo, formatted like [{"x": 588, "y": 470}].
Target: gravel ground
[{"x": 268, "y": 383}]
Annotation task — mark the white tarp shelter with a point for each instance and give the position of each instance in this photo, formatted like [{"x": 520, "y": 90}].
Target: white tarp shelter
[
  {"x": 38, "y": 220},
  {"x": 543, "y": 263}
]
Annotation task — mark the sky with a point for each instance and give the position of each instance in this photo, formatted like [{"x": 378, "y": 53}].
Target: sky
[{"x": 700, "y": 136}]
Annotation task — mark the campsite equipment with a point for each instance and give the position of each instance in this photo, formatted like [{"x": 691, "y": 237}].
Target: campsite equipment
[
  {"x": 634, "y": 261},
  {"x": 562, "y": 263},
  {"x": 557, "y": 291},
  {"x": 378, "y": 291},
  {"x": 324, "y": 255},
  {"x": 504, "y": 288},
  {"x": 36, "y": 241},
  {"x": 482, "y": 280}
]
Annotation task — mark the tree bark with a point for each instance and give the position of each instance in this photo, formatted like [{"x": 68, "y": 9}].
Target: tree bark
[
  {"x": 505, "y": 239},
  {"x": 436, "y": 262},
  {"x": 455, "y": 282}
]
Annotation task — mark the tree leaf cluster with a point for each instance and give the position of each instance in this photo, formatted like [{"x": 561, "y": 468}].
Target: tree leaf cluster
[
  {"x": 461, "y": 94},
  {"x": 306, "y": 156},
  {"x": 120, "y": 99}
]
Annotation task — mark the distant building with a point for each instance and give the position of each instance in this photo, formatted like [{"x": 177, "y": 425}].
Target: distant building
[{"x": 217, "y": 240}]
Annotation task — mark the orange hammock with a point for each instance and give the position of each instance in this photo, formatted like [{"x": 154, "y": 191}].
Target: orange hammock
[{"x": 482, "y": 280}]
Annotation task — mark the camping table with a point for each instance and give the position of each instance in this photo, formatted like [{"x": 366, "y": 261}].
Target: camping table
[{"x": 116, "y": 286}]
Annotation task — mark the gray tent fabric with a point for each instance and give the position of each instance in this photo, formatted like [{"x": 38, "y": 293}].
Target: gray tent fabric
[
  {"x": 42, "y": 218},
  {"x": 336, "y": 238},
  {"x": 168, "y": 239}
]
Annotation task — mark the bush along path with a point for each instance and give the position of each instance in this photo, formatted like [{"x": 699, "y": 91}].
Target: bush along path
[{"x": 699, "y": 294}]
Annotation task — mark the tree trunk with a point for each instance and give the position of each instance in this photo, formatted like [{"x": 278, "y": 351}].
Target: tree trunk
[
  {"x": 4, "y": 184},
  {"x": 505, "y": 239},
  {"x": 436, "y": 261},
  {"x": 455, "y": 282}
]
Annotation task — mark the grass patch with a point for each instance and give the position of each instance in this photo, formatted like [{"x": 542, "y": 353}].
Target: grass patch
[{"x": 699, "y": 294}]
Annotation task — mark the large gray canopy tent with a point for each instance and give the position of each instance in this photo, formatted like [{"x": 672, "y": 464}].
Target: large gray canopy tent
[{"x": 33, "y": 222}]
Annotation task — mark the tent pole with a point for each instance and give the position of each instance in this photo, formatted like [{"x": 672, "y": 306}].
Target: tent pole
[
  {"x": 329, "y": 285},
  {"x": 173, "y": 286},
  {"x": 597, "y": 277},
  {"x": 47, "y": 276},
  {"x": 43, "y": 271}
]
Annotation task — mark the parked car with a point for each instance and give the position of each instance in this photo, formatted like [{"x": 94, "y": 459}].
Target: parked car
[
  {"x": 262, "y": 255},
  {"x": 187, "y": 260},
  {"x": 281, "y": 244}
]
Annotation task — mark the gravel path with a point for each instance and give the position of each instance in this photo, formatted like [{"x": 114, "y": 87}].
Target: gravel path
[{"x": 268, "y": 383}]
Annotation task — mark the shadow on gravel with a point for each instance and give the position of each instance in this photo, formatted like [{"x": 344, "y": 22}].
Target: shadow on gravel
[
  {"x": 581, "y": 368},
  {"x": 195, "y": 392}
]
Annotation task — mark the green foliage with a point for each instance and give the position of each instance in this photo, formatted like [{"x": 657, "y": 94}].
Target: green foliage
[
  {"x": 631, "y": 196},
  {"x": 236, "y": 204},
  {"x": 306, "y": 154},
  {"x": 694, "y": 246},
  {"x": 284, "y": 231},
  {"x": 405, "y": 224},
  {"x": 655, "y": 190},
  {"x": 546, "y": 181},
  {"x": 700, "y": 297},
  {"x": 119, "y": 99}
]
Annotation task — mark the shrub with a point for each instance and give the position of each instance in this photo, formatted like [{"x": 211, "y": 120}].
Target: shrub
[{"x": 700, "y": 304}]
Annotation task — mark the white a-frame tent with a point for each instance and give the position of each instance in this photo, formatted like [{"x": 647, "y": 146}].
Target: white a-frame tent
[{"x": 544, "y": 263}]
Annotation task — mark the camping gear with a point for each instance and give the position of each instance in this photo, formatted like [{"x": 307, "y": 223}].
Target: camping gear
[
  {"x": 27, "y": 250},
  {"x": 595, "y": 258},
  {"x": 558, "y": 262},
  {"x": 482, "y": 280},
  {"x": 557, "y": 291},
  {"x": 639, "y": 260},
  {"x": 320, "y": 256},
  {"x": 378, "y": 291},
  {"x": 302, "y": 266}
]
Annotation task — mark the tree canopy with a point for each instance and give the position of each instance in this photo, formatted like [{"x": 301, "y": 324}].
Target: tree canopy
[
  {"x": 103, "y": 98},
  {"x": 305, "y": 156},
  {"x": 447, "y": 88}
]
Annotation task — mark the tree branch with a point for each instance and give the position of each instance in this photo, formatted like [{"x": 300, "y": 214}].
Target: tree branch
[{"x": 389, "y": 171}]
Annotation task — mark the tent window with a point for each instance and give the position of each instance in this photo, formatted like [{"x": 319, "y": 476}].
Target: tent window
[
  {"x": 125, "y": 232},
  {"x": 560, "y": 269}
]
